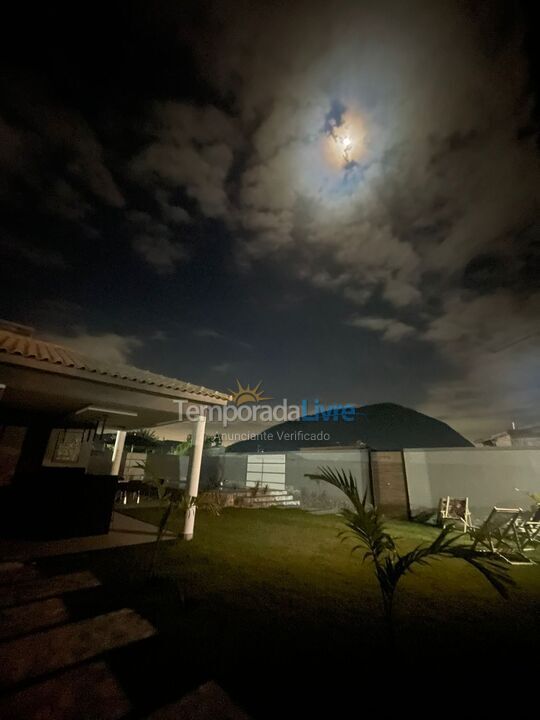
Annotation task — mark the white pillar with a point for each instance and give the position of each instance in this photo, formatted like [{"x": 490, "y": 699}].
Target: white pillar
[
  {"x": 192, "y": 489},
  {"x": 117, "y": 452}
]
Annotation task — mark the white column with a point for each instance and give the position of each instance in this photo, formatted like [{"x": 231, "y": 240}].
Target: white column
[
  {"x": 192, "y": 489},
  {"x": 117, "y": 452}
]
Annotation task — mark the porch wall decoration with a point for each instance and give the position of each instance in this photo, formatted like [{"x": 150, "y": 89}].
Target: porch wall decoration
[{"x": 68, "y": 446}]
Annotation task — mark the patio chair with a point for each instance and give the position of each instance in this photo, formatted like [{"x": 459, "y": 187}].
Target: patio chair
[
  {"x": 499, "y": 535},
  {"x": 455, "y": 510},
  {"x": 528, "y": 529}
]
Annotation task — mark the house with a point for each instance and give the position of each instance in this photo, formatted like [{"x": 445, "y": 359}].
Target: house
[
  {"x": 527, "y": 437},
  {"x": 55, "y": 401}
]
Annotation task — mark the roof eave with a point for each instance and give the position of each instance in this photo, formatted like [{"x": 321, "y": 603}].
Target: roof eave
[{"x": 215, "y": 398}]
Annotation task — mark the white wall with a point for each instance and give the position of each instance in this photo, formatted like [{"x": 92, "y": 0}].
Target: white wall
[
  {"x": 232, "y": 469},
  {"x": 172, "y": 468},
  {"x": 266, "y": 470},
  {"x": 305, "y": 462},
  {"x": 131, "y": 469},
  {"x": 487, "y": 476}
]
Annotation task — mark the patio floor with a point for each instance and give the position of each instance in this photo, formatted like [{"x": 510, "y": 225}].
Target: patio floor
[{"x": 124, "y": 531}]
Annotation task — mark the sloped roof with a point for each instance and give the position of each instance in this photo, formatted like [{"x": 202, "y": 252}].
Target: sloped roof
[{"x": 14, "y": 345}]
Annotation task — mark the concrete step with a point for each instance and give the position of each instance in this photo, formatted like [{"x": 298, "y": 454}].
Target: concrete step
[
  {"x": 26, "y": 592},
  {"x": 87, "y": 692},
  {"x": 56, "y": 649},
  {"x": 25, "y": 619},
  {"x": 250, "y": 490},
  {"x": 266, "y": 498},
  {"x": 208, "y": 702},
  {"x": 266, "y": 501},
  {"x": 16, "y": 572}
]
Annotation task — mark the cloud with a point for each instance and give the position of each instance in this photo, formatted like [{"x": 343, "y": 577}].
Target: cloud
[
  {"x": 431, "y": 230},
  {"x": 213, "y": 334},
  {"x": 209, "y": 333},
  {"x": 86, "y": 157},
  {"x": 155, "y": 242},
  {"x": 171, "y": 212},
  {"x": 491, "y": 344},
  {"x": 191, "y": 148},
  {"x": 437, "y": 218},
  {"x": 391, "y": 330},
  {"x": 444, "y": 167},
  {"x": 56, "y": 154},
  {"x": 159, "y": 252},
  {"x": 224, "y": 367},
  {"x": 107, "y": 347},
  {"x": 159, "y": 336},
  {"x": 15, "y": 249}
]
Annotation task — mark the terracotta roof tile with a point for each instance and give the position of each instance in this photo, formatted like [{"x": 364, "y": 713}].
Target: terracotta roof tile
[{"x": 50, "y": 353}]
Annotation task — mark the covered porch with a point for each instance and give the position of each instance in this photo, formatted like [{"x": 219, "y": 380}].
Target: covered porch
[{"x": 56, "y": 404}]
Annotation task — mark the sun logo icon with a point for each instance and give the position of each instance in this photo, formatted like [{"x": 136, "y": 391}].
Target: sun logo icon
[{"x": 248, "y": 394}]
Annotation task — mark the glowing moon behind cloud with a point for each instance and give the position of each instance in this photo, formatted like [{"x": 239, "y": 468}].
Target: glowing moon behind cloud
[{"x": 344, "y": 143}]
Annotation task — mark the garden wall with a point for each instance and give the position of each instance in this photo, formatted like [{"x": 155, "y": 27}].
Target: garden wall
[
  {"x": 231, "y": 470},
  {"x": 321, "y": 493},
  {"x": 487, "y": 476}
]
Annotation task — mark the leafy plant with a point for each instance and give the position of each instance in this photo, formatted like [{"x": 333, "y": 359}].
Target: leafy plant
[
  {"x": 136, "y": 440},
  {"x": 367, "y": 528},
  {"x": 175, "y": 502},
  {"x": 184, "y": 448}
]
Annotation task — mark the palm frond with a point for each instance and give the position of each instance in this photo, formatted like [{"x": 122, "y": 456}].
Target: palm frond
[
  {"x": 342, "y": 481},
  {"x": 366, "y": 527},
  {"x": 494, "y": 570}
]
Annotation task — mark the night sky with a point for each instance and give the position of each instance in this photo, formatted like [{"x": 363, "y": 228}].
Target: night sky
[{"x": 339, "y": 199}]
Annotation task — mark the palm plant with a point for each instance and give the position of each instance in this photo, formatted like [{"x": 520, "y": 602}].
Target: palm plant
[{"x": 367, "y": 528}]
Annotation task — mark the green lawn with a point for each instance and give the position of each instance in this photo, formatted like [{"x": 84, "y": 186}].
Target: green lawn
[{"x": 265, "y": 596}]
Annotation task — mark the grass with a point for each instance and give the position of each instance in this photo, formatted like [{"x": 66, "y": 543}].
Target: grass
[{"x": 271, "y": 596}]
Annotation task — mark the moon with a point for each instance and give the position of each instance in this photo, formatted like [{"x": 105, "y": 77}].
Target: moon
[{"x": 344, "y": 144}]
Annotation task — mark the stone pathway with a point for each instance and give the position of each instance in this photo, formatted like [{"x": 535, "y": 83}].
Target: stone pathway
[
  {"x": 33, "y": 616},
  {"x": 55, "y": 667}
]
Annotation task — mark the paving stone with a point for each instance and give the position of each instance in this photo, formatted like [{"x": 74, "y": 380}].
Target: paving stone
[
  {"x": 7, "y": 567},
  {"x": 208, "y": 702},
  {"x": 25, "y": 592},
  {"x": 26, "y": 573},
  {"x": 24, "y": 619},
  {"x": 86, "y": 692},
  {"x": 58, "y": 648}
]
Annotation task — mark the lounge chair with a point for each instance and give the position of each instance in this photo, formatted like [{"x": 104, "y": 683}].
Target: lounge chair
[
  {"x": 452, "y": 510},
  {"x": 500, "y": 535},
  {"x": 528, "y": 529}
]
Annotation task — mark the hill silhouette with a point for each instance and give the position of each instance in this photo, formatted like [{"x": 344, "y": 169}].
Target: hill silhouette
[{"x": 382, "y": 426}]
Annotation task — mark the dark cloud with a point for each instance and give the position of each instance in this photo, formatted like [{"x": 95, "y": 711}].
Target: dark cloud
[
  {"x": 13, "y": 249},
  {"x": 377, "y": 160},
  {"x": 56, "y": 156},
  {"x": 156, "y": 242}
]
